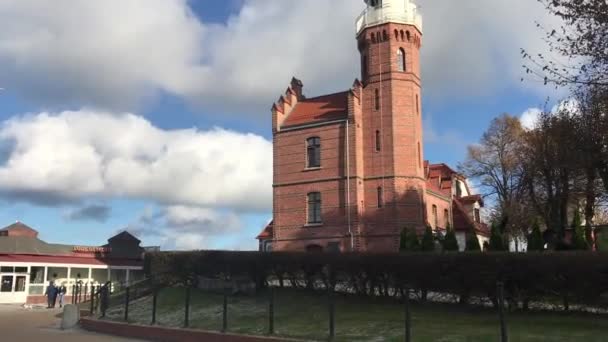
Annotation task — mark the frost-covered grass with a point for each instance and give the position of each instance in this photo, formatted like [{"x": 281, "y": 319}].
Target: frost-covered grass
[{"x": 302, "y": 314}]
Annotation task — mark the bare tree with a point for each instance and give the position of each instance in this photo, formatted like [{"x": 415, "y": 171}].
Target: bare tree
[
  {"x": 582, "y": 39},
  {"x": 494, "y": 164}
]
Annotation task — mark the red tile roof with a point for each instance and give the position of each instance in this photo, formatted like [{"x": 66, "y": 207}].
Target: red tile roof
[
  {"x": 471, "y": 199},
  {"x": 323, "y": 108},
  {"x": 464, "y": 223},
  {"x": 267, "y": 233}
]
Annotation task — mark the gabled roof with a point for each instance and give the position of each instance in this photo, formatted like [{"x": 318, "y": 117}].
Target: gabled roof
[
  {"x": 319, "y": 109},
  {"x": 464, "y": 223},
  {"x": 31, "y": 246},
  {"x": 19, "y": 229},
  {"x": 472, "y": 199},
  {"x": 267, "y": 233},
  {"x": 125, "y": 235}
]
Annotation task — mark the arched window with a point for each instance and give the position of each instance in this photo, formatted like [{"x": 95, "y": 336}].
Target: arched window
[
  {"x": 446, "y": 217},
  {"x": 375, "y": 3},
  {"x": 364, "y": 67},
  {"x": 378, "y": 141},
  {"x": 396, "y": 34},
  {"x": 401, "y": 34},
  {"x": 377, "y": 99},
  {"x": 314, "y": 208},
  {"x": 373, "y": 37},
  {"x": 408, "y": 35},
  {"x": 378, "y": 37},
  {"x": 401, "y": 60},
  {"x": 313, "y": 152},
  {"x": 384, "y": 35},
  {"x": 380, "y": 197},
  {"x": 435, "y": 221}
]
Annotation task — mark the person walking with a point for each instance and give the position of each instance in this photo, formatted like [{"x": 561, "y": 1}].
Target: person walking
[
  {"x": 61, "y": 291},
  {"x": 51, "y": 295},
  {"x": 104, "y": 298}
]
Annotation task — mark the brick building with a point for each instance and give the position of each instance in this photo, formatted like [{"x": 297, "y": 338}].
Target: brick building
[{"x": 349, "y": 168}]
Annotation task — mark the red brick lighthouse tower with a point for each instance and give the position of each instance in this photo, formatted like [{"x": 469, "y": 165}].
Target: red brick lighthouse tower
[
  {"x": 389, "y": 35},
  {"x": 348, "y": 167}
]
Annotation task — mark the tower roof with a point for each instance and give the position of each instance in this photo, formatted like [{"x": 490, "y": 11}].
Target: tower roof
[{"x": 384, "y": 11}]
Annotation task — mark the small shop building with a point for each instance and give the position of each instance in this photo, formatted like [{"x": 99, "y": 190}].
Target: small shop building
[{"x": 28, "y": 264}]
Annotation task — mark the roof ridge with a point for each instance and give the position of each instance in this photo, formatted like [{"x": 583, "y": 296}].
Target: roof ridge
[{"x": 320, "y": 96}]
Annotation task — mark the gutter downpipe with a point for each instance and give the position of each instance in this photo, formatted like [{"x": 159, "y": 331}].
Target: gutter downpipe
[{"x": 350, "y": 232}]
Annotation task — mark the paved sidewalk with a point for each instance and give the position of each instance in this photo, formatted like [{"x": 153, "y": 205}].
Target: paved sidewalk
[{"x": 21, "y": 324}]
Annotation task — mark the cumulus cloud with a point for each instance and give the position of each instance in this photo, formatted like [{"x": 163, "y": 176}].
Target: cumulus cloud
[
  {"x": 68, "y": 156},
  {"x": 530, "y": 116},
  {"x": 116, "y": 53},
  {"x": 188, "y": 227},
  {"x": 93, "y": 212}
]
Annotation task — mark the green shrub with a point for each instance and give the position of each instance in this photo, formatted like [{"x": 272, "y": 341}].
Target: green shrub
[
  {"x": 428, "y": 240},
  {"x": 497, "y": 243},
  {"x": 409, "y": 240},
  {"x": 472, "y": 243},
  {"x": 450, "y": 243},
  {"x": 535, "y": 239},
  {"x": 579, "y": 241}
]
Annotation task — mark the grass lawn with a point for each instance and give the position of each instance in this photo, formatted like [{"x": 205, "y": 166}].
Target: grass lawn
[{"x": 304, "y": 315}]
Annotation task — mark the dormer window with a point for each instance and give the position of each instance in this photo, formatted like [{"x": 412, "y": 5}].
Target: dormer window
[{"x": 375, "y": 3}]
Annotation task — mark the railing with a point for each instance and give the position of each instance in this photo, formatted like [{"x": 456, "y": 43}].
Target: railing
[{"x": 371, "y": 16}]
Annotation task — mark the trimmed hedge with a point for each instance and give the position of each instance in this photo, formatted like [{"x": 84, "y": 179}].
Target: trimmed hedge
[{"x": 567, "y": 277}]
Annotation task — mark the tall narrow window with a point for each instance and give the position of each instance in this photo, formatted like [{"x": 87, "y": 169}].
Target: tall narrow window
[
  {"x": 477, "y": 216},
  {"x": 419, "y": 156},
  {"x": 313, "y": 152},
  {"x": 401, "y": 60},
  {"x": 364, "y": 67},
  {"x": 417, "y": 104},
  {"x": 435, "y": 220},
  {"x": 380, "y": 197},
  {"x": 377, "y": 99},
  {"x": 378, "y": 141},
  {"x": 446, "y": 217},
  {"x": 314, "y": 208}
]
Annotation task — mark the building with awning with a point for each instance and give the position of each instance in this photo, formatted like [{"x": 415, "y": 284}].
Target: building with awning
[{"x": 28, "y": 264}]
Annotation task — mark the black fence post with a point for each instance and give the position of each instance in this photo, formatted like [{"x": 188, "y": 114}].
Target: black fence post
[
  {"x": 73, "y": 292},
  {"x": 92, "y": 295},
  {"x": 331, "y": 306},
  {"x": 187, "y": 309},
  {"x": 225, "y": 310},
  {"x": 154, "y": 298},
  {"x": 80, "y": 293},
  {"x": 86, "y": 291},
  {"x": 127, "y": 304},
  {"x": 270, "y": 310},
  {"x": 500, "y": 292},
  {"x": 408, "y": 316}
]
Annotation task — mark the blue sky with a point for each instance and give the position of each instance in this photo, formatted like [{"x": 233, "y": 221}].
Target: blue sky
[{"x": 153, "y": 115}]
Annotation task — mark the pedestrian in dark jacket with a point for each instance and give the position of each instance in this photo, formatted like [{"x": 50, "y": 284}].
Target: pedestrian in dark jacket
[
  {"x": 104, "y": 298},
  {"x": 51, "y": 295}
]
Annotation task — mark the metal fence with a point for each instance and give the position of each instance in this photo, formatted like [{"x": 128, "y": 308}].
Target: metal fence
[{"x": 101, "y": 300}]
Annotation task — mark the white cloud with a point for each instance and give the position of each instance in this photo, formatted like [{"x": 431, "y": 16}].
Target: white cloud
[
  {"x": 114, "y": 53},
  {"x": 191, "y": 228},
  {"x": 530, "y": 117},
  {"x": 70, "y": 155}
]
